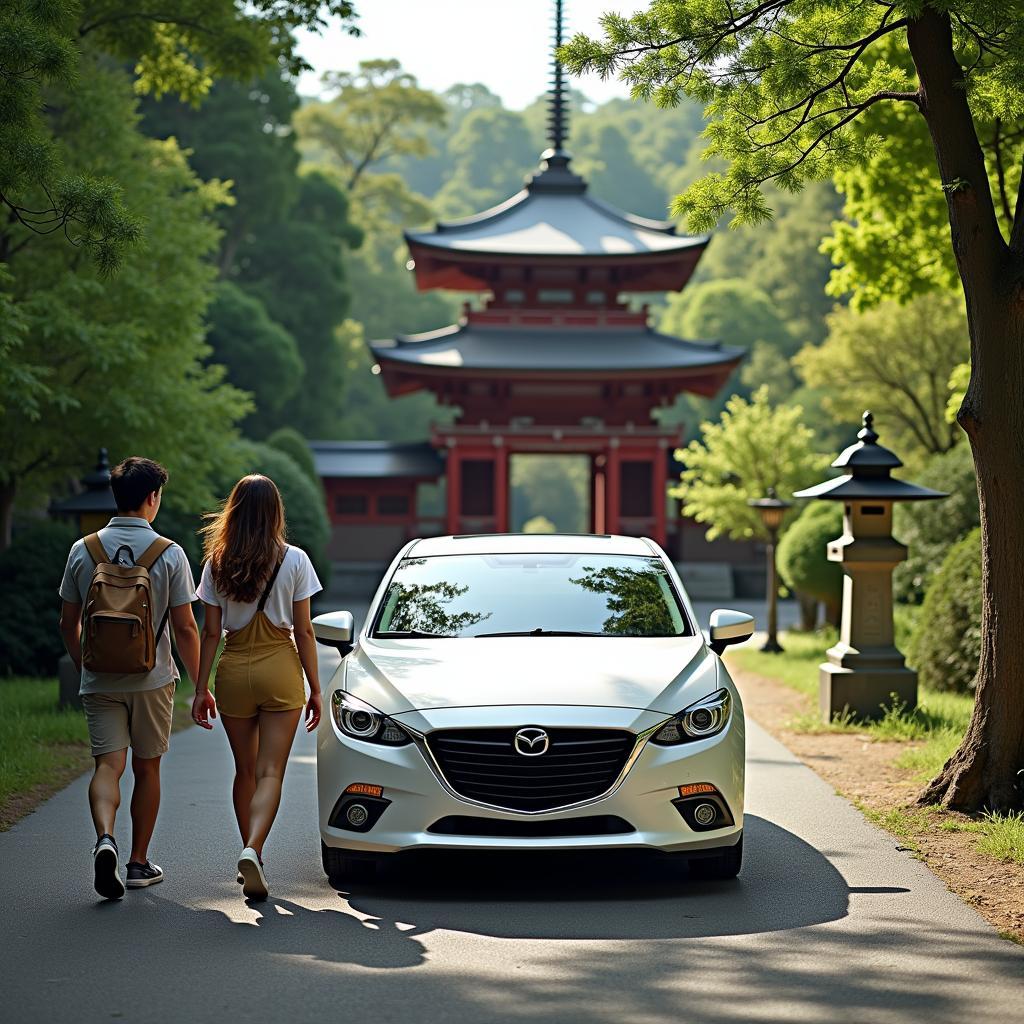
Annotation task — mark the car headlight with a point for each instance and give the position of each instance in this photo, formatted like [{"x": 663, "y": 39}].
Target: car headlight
[
  {"x": 359, "y": 720},
  {"x": 704, "y": 718}
]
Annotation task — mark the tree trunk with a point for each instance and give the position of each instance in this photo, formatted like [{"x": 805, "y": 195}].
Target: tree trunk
[
  {"x": 982, "y": 773},
  {"x": 808, "y": 612}
]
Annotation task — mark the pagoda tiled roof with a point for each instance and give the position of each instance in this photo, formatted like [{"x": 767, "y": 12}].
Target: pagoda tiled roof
[
  {"x": 554, "y": 216},
  {"x": 470, "y": 347}
]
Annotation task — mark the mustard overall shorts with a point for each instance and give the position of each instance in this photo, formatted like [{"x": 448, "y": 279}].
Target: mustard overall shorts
[{"x": 259, "y": 669}]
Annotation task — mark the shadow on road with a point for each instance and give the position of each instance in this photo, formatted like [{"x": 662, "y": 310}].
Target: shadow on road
[{"x": 785, "y": 883}]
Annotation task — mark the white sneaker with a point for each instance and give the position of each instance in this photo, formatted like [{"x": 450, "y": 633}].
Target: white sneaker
[{"x": 254, "y": 882}]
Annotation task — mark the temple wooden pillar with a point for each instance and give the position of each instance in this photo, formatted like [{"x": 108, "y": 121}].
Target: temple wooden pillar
[{"x": 501, "y": 485}]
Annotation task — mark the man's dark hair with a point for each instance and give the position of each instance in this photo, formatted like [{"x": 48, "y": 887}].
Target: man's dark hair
[{"x": 133, "y": 480}]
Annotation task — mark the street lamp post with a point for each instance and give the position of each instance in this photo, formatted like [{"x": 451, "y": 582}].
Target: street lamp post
[{"x": 771, "y": 508}]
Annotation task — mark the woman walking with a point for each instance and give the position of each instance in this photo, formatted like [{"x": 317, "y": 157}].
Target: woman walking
[{"x": 256, "y": 589}]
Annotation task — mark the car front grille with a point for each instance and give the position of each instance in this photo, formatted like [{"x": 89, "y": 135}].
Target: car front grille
[{"x": 484, "y": 765}]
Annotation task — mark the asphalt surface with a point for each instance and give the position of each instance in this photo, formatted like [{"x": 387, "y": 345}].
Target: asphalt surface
[{"x": 828, "y": 921}]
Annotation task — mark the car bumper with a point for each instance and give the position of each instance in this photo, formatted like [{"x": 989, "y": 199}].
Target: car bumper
[{"x": 418, "y": 799}]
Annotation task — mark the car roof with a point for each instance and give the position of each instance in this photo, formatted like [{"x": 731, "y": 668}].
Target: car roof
[{"x": 530, "y": 543}]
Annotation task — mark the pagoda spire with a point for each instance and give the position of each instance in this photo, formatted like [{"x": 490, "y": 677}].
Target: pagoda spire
[
  {"x": 558, "y": 103},
  {"x": 554, "y": 174}
]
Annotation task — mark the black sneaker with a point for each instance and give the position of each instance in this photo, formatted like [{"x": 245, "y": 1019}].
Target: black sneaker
[
  {"x": 141, "y": 875},
  {"x": 106, "y": 873}
]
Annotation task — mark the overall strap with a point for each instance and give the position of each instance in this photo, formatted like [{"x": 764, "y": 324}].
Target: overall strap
[
  {"x": 270, "y": 583},
  {"x": 95, "y": 548},
  {"x": 153, "y": 552}
]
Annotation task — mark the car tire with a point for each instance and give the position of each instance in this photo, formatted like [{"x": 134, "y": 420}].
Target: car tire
[
  {"x": 341, "y": 867},
  {"x": 722, "y": 866}
]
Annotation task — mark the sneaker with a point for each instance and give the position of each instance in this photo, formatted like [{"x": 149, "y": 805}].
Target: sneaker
[
  {"x": 141, "y": 875},
  {"x": 254, "y": 882},
  {"x": 106, "y": 870}
]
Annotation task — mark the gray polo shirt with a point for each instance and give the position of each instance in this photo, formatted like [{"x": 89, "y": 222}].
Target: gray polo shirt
[{"x": 170, "y": 581}]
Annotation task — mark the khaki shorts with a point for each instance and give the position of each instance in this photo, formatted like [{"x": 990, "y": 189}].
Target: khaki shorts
[{"x": 141, "y": 721}]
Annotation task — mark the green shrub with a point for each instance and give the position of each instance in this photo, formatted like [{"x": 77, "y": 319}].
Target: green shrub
[
  {"x": 931, "y": 528},
  {"x": 946, "y": 645},
  {"x": 293, "y": 444},
  {"x": 30, "y": 573},
  {"x": 802, "y": 561},
  {"x": 308, "y": 526}
]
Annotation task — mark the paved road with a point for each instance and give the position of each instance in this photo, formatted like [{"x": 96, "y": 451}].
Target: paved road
[{"x": 827, "y": 922}]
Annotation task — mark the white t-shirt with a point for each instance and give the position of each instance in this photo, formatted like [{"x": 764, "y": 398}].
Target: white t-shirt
[{"x": 296, "y": 581}]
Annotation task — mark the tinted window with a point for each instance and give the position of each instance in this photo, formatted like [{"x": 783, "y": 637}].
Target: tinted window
[{"x": 474, "y": 595}]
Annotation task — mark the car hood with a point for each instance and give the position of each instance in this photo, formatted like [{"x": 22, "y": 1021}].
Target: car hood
[{"x": 647, "y": 673}]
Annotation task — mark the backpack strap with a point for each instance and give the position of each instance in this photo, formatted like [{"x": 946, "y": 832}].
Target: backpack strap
[
  {"x": 153, "y": 552},
  {"x": 95, "y": 548},
  {"x": 270, "y": 583}
]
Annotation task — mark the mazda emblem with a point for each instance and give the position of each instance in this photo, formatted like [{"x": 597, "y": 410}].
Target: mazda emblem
[{"x": 531, "y": 742}]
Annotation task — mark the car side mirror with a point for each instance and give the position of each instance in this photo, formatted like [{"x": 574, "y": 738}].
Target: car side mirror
[
  {"x": 729, "y": 627},
  {"x": 335, "y": 629}
]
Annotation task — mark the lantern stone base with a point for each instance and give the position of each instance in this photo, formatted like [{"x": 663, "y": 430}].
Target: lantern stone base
[
  {"x": 69, "y": 680},
  {"x": 863, "y": 691}
]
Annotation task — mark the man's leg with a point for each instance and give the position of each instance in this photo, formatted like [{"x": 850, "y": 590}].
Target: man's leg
[
  {"x": 105, "y": 790},
  {"x": 145, "y": 805}
]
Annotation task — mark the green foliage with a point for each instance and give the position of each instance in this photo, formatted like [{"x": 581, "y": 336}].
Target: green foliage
[
  {"x": 931, "y": 528},
  {"x": 802, "y": 555},
  {"x": 784, "y": 85},
  {"x": 295, "y": 446},
  {"x": 261, "y": 357},
  {"x": 551, "y": 487},
  {"x": 308, "y": 526},
  {"x": 539, "y": 524},
  {"x": 895, "y": 360},
  {"x": 754, "y": 446},
  {"x": 30, "y": 570},
  {"x": 119, "y": 362},
  {"x": 946, "y": 646},
  {"x": 731, "y": 310}
]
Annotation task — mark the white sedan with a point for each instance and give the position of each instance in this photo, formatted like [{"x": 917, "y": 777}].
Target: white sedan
[{"x": 519, "y": 692}]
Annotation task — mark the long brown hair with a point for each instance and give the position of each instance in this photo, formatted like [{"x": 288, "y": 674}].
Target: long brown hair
[{"x": 244, "y": 540}]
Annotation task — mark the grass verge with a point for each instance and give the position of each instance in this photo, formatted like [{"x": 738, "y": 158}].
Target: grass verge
[
  {"x": 42, "y": 748},
  {"x": 935, "y": 726}
]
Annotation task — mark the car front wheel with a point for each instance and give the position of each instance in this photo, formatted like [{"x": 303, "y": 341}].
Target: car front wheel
[
  {"x": 721, "y": 866},
  {"x": 341, "y": 867}
]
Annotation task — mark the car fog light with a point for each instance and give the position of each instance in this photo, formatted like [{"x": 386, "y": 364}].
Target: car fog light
[
  {"x": 705, "y": 814},
  {"x": 356, "y": 815}
]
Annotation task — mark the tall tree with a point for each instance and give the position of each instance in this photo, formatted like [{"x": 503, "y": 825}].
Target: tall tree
[
  {"x": 117, "y": 362},
  {"x": 898, "y": 360},
  {"x": 784, "y": 83}
]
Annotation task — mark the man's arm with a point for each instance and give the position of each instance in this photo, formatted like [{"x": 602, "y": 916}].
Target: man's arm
[
  {"x": 71, "y": 630},
  {"x": 186, "y": 638}
]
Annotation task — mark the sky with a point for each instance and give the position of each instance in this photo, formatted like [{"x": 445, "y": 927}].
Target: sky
[{"x": 505, "y": 45}]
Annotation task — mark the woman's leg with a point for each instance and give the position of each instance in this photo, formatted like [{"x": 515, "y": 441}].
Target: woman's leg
[
  {"x": 243, "y": 735},
  {"x": 276, "y": 734}
]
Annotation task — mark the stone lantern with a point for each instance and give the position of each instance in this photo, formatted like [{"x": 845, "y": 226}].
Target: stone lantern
[
  {"x": 90, "y": 510},
  {"x": 865, "y": 667},
  {"x": 92, "y": 507}
]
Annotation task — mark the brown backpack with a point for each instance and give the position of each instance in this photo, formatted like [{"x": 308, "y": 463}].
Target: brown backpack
[{"x": 117, "y": 620}]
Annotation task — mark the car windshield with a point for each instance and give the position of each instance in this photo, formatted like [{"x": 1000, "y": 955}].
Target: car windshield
[{"x": 531, "y": 595}]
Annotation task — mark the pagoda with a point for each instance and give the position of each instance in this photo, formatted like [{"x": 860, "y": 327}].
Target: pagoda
[{"x": 553, "y": 360}]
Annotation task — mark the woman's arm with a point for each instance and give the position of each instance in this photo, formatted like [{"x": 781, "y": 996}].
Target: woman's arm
[
  {"x": 203, "y": 706},
  {"x": 305, "y": 641}
]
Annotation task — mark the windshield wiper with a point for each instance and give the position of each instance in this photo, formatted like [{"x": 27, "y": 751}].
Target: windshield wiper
[
  {"x": 410, "y": 634},
  {"x": 541, "y": 632}
]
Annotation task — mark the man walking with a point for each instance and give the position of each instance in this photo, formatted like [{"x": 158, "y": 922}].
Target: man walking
[{"x": 130, "y": 582}]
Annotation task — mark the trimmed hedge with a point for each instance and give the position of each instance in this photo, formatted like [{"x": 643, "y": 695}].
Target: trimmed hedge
[
  {"x": 931, "y": 528},
  {"x": 802, "y": 562},
  {"x": 30, "y": 573},
  {"x": 946, "y": 645},
  {"x": 294, "y": 445}
]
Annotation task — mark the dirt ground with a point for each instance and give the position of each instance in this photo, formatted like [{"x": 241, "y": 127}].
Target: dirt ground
[{"x": 863, "y": 771}]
